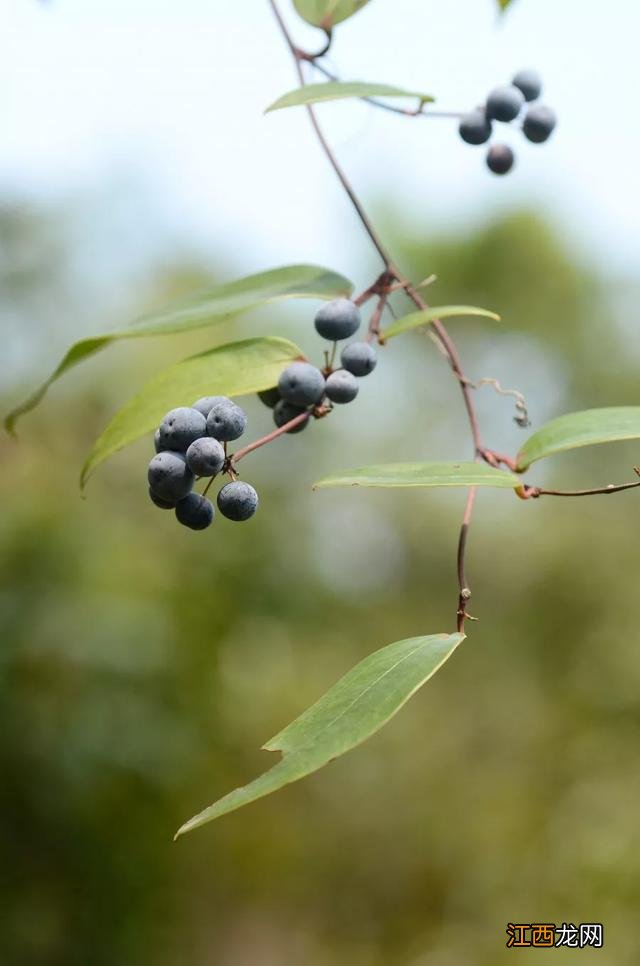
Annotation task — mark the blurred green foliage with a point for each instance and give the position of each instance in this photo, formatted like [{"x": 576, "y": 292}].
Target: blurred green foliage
[{"x": 141, "y": 666}]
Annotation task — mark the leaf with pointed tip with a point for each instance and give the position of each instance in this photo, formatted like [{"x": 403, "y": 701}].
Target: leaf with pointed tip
[
  {"x": 217, "y": 304},
  {"x": 327, "y": 13},
  {"x": 339, "y": 90},
  {"x": 415, "y": 319},
  {"x": 350, "y": 712},
  {"x": 423, "y": 474},
  {"x": 234, "y": 369},
  {"x": 580, "y": 429}
]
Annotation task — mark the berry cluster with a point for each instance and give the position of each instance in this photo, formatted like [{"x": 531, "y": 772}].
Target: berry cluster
[
  {"x": 506, "y": 104},
  {"x": 191, "y": 443},
  {"x": 303, "y": 388}
]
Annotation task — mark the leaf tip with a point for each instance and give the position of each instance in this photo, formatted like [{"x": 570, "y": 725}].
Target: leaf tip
[
  {"x": 9, "y": 424},
  {"x": 187, "y": 827}
]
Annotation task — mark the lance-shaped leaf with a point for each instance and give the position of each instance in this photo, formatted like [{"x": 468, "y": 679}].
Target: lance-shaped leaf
[
  {"x": 415, "y": 319},
  {"x": 580, "y": 429},
  {"x": 327, "y": 13},
  {"x": 349, "y": 713},
  {"x": 215, "y": 305},
  {"x": 339, "y": 90},
  {"x": 228, "y": 370},
  {"x": 423, "y": 474}
]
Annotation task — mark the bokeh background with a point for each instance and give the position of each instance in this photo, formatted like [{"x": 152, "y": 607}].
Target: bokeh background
[{"x": 141, "y": 667}]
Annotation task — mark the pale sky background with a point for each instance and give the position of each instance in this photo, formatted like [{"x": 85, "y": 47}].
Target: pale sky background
[{"x": 170, "y": 94}]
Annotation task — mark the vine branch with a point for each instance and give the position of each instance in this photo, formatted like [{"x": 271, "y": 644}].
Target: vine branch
[{"x": 392, "y": 274}]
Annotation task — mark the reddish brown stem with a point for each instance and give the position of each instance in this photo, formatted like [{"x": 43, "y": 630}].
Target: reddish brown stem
[
  {"x": 422, "y": 111},
  {"x": 465, "y": 593},
  {"x": 533, "y": 492},
  {"x": 362, "y": 215},
  {"x": 393, "y": 275},
  {"x": 285, "y": 428},
  {"x": 374, "y": 322}
]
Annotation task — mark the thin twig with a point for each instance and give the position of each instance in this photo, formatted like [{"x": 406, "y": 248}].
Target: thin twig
[
  {"x": 374, "y": 322},
  {"x": 395, "y": 276},
  {"x": 533, "y": 492},
  {"x": 285, "y": 428},
  {"x": 465, "y": 593},
  {"x": 370, "y": 230},
  {"x": 422, "y": 111}
]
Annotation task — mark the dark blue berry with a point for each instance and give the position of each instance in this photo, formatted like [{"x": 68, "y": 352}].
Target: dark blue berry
[
  {"x": 301, "y": 384},
  {"x": 284, "y": 412},
  {"x": 342, "y": 386},
  {"x": 169, "y": 476},
  {"x": 180, "y": 427},
  {"x": 205, "y": 457},
  {"x": 205, "y": 404},
  {"x": 226, "y": 421},
  {"x": 237, "y": 501},
  {"x": 500, "y": 158},
  {"x": 338, "y": 319},
  {"x": 504, "y": 103},
  {"x": 529, "y": 82},
  {"x": 163, "y": 504},
  {"x": 475, "y": 128},
  {"x": 359, "y": 358},
  {"x": 195, "y": 512},
  {"x": 539, "y": 122}
]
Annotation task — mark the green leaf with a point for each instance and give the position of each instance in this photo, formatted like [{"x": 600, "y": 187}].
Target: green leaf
[
  {"x": 580, "y": 429},
  {"x": 503, "y": 4},
  {"x": 217, "y": 304},
  {"x": 230, "y": 370},
  {"x": 349, "y": 713},
  {"x": 416, "y": 319},
  {"x": 423, "y": 474},
  {"x": 327, "y": 13},
  {"x": 338, "y": 90}
]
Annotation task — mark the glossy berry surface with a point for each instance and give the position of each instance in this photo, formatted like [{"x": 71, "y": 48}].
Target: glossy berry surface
[
  {"x": 163, "y": 504},
  {"x": 359, "y": 358},
  {"x": 226, "y": 420},
  {"x": 169, "y": 476},
  {"x": 539, "y": 122},
  {"x": 284, "y": 412},
  {"x": 500, "y": 158},
  {"x": 237, "y": 501},
  {"x": 180, "y": 427},
  {"x": 342, "y": 386},
  {"x": 504, "y": 103},
  {"x": 205, "y": 404},
  {"x": 205, "y": 456},
  {"x": 195, "y": 512},
  {"x": 529, "y": 82},
  {"x": 475, "y": 128},
  {"x": 338, "y": 320},
  {"x": 301, "y": 384}
]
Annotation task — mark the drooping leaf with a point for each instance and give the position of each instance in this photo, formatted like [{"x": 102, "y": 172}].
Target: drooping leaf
[
  {"x": 327, "y": 13},
  {"x": 580, "y": 429},
  {"x": 350, "y": 712},
  {"x": 228, "y": 370},
  {"x": 339, "y": 90},
  {"x": 415, "y": 319},
  {"x": 423, "y": 474},
  {"x": 215, "y": 305}
]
